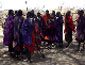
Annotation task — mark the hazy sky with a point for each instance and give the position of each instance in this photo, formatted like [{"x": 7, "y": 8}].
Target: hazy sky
[{"x": 39, "y": 4}]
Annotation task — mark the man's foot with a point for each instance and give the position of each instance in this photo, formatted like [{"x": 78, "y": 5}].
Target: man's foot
[
  {"x": 43, "y": 56},
  {"x": 25, "y": 60},
  {"x": 11, "y": 54},
  {"x": 78, "y": 50},
  {"x": 67, "y": 46},
  {"x": 30, "y": 61},
  {"x": 60, "y": 46}
]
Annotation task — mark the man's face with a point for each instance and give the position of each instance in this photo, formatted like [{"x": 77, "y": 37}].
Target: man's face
[
  {"x": 38, "y": 15},
  {"x": 12, "y": 13},
  {"x": 32, "y": 11},
  {"x": 47, "y": 12}
]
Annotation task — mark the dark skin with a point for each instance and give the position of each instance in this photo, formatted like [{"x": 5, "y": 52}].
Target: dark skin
[
  {"x": 38, "y": 15},
  {"x": 47, "y": 12},
  {"x": 53, "y": 13}
]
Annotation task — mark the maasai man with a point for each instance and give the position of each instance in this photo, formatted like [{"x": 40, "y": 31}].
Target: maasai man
[
  {"x": 16, "y": 13},
  {"x": 52, "y": 25},
  {"x": 69, "y": 27},
  {"x": 27, "y": 30},
  {"x": 46, "y": 17},
  {"x": 51, "y": 29},
  {"x": 40, "y": 21},
  {"x": 32, "y": 18},
  {"x": 81, "y": 28},
  {"x": 53, "y": 14},
  {"x": 59, "y": 29},
  {"x": 33, "y": 14},
  {"x": 37, "y": 38},
  {"x": 8, "y": 32},
  {"x": 17, "y": 31}
]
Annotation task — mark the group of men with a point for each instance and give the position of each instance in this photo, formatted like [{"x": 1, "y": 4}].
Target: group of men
[{"x": 27, "y": 33}]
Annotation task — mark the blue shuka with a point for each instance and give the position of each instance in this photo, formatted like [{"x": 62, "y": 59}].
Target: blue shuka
[
  {"x": 27, "y": 29},
  {"x": 17, "y": 29},
  {"x": 59, "y": 28}
]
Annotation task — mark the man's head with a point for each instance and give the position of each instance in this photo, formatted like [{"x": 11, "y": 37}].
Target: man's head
[
  {"x": 38, "y": 14},
  {"x": 11, "y": 12},
  {"x": 53, "y": 14},
  {"x": 16, "y": 12},
  {"x": 81, "y": 12},
  {"x": 32, "y": 13},
  {"x": 68, "y": 13},
  {"x": 28, "y": 14},
  {"x": 58, "y": 14},
  {"x": 19, "y": 13},
  {"x": 47, "y": 12}
]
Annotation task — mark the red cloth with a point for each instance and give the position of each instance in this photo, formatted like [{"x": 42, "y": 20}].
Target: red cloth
[
  {"x": 32, "y": 47},
  {"x": 46, "y": 17},
  {"x": 71, "y": 25},
  {"x": 46, "y": 38}
]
